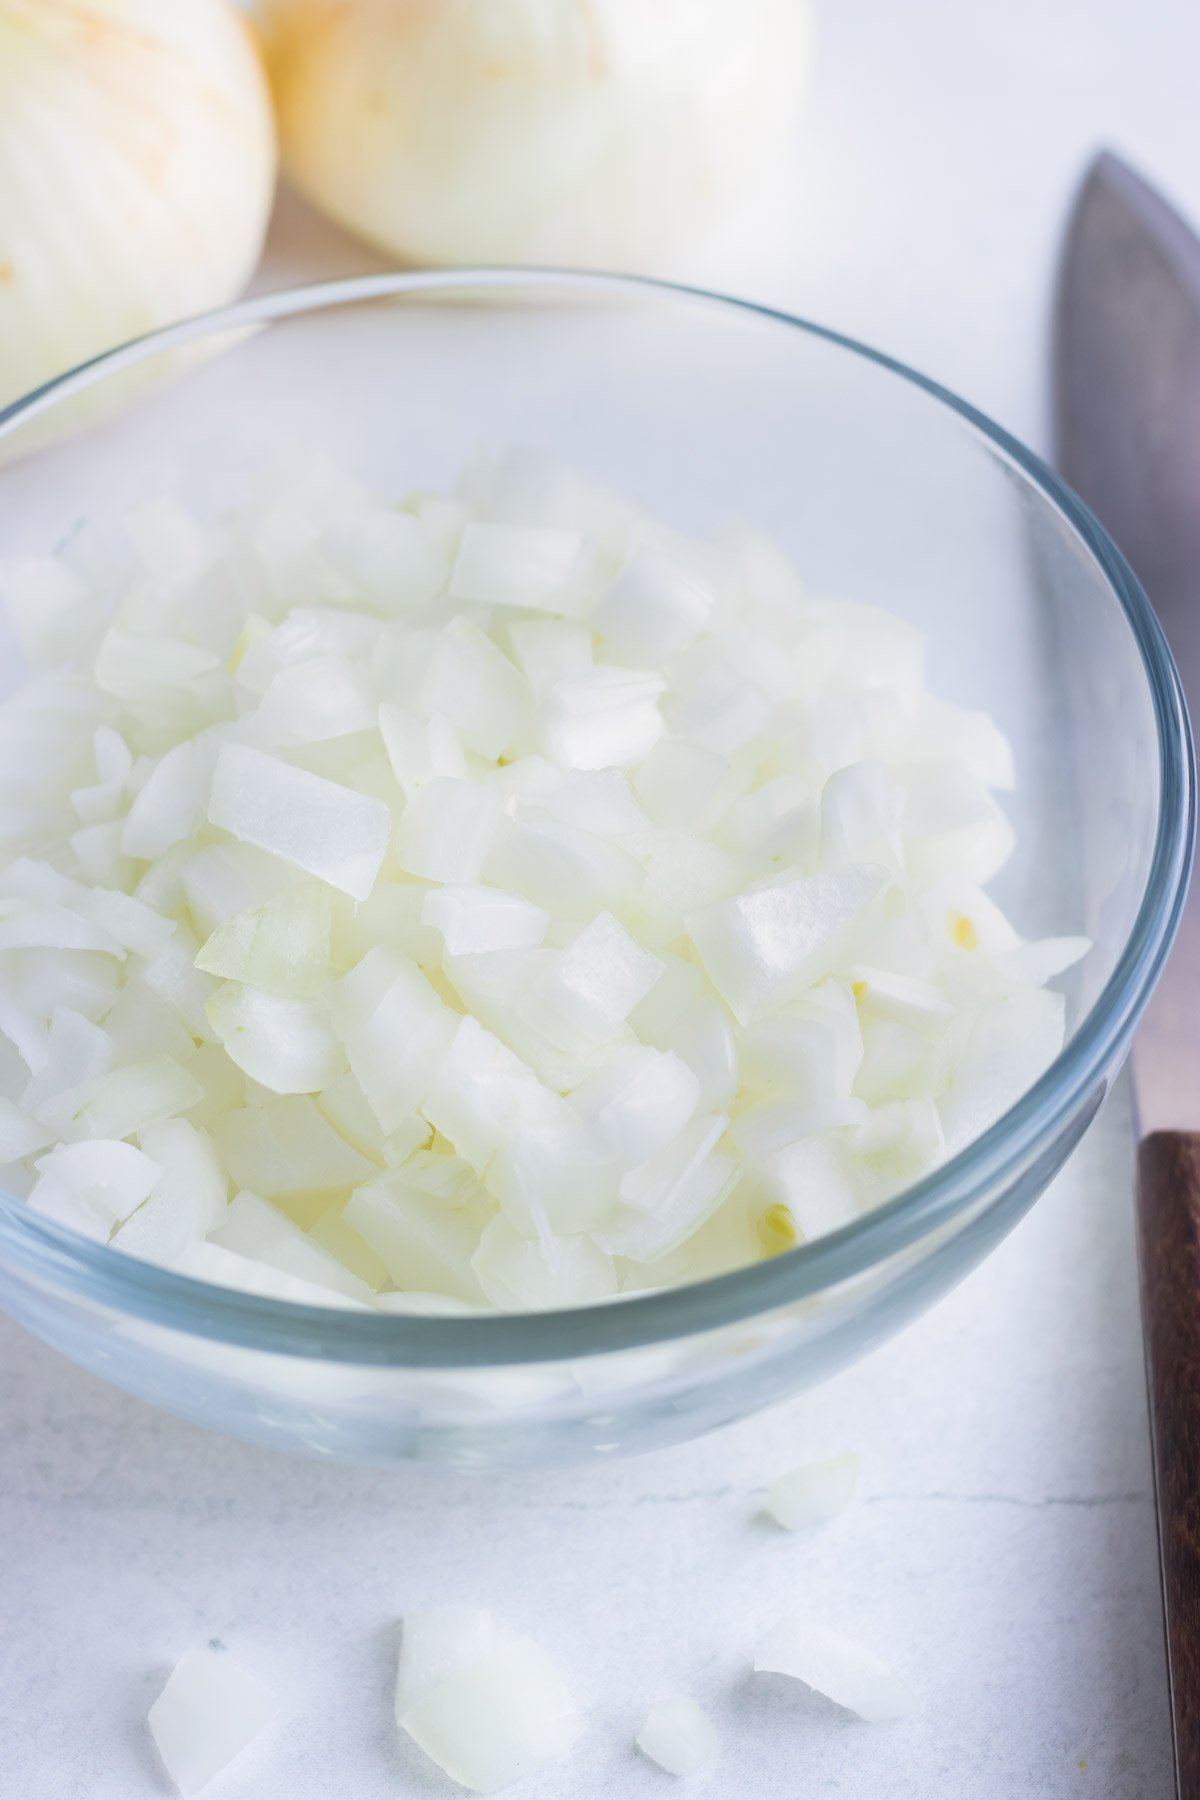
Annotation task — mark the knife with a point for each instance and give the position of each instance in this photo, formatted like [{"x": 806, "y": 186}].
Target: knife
[{"x": 1127, "y": 404}]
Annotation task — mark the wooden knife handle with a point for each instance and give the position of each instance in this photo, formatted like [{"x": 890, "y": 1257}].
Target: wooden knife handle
[{"x": 1169, "y": 1221}]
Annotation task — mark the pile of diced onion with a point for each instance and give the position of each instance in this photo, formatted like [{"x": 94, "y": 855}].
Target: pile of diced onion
[{"x": 490, "y": 900}]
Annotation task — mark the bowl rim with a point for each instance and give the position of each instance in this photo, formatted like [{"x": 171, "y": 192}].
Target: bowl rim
[{"x": 94, "y": 1273}]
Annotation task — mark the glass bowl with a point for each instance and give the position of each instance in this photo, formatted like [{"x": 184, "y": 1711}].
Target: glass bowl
[{"x": 886, "y": 490}]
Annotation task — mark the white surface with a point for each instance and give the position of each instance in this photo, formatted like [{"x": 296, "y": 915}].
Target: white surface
[
  {"x": 1002, "y": 1556},
  {"x": 1003, "y": 1553}
]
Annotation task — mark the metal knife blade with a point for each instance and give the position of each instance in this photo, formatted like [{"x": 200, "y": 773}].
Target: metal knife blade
[
  {"x": 1127, "y": 354},
  {"x": 1127, "y": 403}
]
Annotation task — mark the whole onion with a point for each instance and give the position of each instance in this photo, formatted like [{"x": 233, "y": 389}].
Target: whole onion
[
  {"x": 137, "y": 167},
  {"x": 601, "y": 132}
]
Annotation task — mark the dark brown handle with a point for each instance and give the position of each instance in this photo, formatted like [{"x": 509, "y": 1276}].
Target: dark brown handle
[{"x": 1169, "y": 1215}]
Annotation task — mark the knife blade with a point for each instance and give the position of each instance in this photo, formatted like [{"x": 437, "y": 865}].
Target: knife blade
[{"x": 1127, "y": 422}]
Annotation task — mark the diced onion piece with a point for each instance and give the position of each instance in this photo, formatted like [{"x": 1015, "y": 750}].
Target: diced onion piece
[
  {"x": 210, "y": 1710},
  {"x": 705, "y": 1042},
  {"x": 678, "y": 1735},
  {"x": 282, "y": 946},
  {"x": 606, "y": 718},
  {"x": 669, "y": 1197},
  {"x": 482, "y": 1093},
  {"x": 288, "y": 1045},
  {"x": 388, "y": 556},
  {"x": 835, "y": 1666},
  {"x": 473, "y": 919},
  {"x": 571, "y": 873},
  {"x": 419, "y": 749},
  {"x": 813, "y": 1493},
  {"x": 860, "y": 818},
  {"x": 330, "y": 1230},
  {"x": 326, "y": 829},
  {"x": 499, "y": 1716},
  {"x": 446, "y": 830},
  {"x": 103, "y": 1181},
  {"x": 422, "y": 1242},
  {"x": 530, "y": 1148},
  {"x": 396, "y": 1031},
  {"x": 20, "y": 1136},
  {"x": 435, "y": 1645},
  {"x": 552, "y": 1175},
  {"x": 228, "y": 1268},
  {"x": 73, "y": 1052},
  {"x": 311, "y": 702},
  {"x": 598, "y": 801},
  {"x": 222, "y": 880},
  {"x": 640, "y": 1102},
  {"x": 902, "y": 999},
  {"x": 769, "y": 946},
  {"x": 537, "y": 568},
  {"x": 127, "y": 1099},
  {"x": 546, "y": 650},
  {"x": 287, "y": 1147},
  {"x": 1010, "y": 1044},
  {"x": 467, "y": 680},
  {"x": 720, "y": 712},
  {"x": 254, "y": 1228},
  {"x": 682, "y": 784},
  {"x": 174, "y": 977},
  {"x": 187, "y": 1201},
  {"x": 600, "y": 978},
  {"x": 661, "y": 598},
  {"x": 941, "y": 728},
  {"x": 170, "y": 801},
  {"x": 1041, "y": 961},
  {"x": 813, "y": 1180},
  {"x": 53, "y": 928},
  {"x": 523, "y": 1274},
  {"x": 952, "y": 826}
]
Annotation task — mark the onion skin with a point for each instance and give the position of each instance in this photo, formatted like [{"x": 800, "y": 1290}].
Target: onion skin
[
  {"x": 602, "y": 133},
  {"x": 137, "y": 170}
]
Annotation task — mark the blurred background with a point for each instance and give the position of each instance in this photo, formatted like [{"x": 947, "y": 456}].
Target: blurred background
[{"x": 900, "y": 172}]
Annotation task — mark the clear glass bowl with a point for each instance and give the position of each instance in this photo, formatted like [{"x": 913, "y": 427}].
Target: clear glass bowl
[{"x": 886, "y": 490}]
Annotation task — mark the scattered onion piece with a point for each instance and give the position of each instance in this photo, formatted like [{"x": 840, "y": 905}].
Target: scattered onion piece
[
  {"x": 678, "y": 1735},
  {"x": 813, "y": 1493},
  {"x": 210, "y": 1709},
  {"x": 486, "y": 1705},
  {"x": 835, "y": 1666}
]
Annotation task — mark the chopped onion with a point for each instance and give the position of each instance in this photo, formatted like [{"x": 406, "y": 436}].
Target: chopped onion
[
  {"x": 600, "y": 978},
  {"x": 436, "y": 1644},
  {"x": 288, "y": 1045},
  {"x": 93, "y": 1186},
  {"x": 210, "y": 1709},
  {"x": 678, "y": 1735},
  {"x": 536, "y": 568},
  {"x": 421, "y": 1242},
  {"x": 511, "y": 902},
  {"x": 814, "y": 1492},
  {"x": 835, "y": 1666},
  {"x": 446, "y": 830},
  {"x": 320, "y": 826},
  {"x": 770, "y": 946},
  {"x": 253, "y": 1228},
  {"x": 282, "y": 946},
  {"x": 479, "y": 918},
  {"x": 487, "y": 1706}
]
